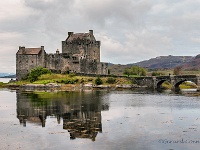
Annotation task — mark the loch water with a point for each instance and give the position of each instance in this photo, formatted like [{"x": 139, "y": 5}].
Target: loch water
[{"x": 96, "y": 120}]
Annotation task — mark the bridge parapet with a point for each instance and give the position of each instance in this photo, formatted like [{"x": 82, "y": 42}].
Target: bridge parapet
[
  {"x": 163, "y": 77},
  {"x": 149, "y": 82}
]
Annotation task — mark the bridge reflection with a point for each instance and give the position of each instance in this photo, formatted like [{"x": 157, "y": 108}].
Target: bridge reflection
[{"x": 80, "y": 111}]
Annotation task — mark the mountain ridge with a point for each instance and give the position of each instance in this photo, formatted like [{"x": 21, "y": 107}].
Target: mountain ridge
[
  {"x": 7, "y": 75},
  {"x": 161, "y": 62}
]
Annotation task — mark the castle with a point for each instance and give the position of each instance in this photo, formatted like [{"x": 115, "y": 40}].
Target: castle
[{"x": 80, "y": 54}]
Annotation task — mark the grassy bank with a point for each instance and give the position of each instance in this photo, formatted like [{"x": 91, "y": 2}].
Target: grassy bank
[
  {"x": 72, "y": 79},
  {"x": 67, "y": 79}
]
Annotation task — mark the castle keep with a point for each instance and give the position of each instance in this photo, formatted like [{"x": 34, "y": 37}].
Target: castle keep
[{"x": 80, "y": 54}]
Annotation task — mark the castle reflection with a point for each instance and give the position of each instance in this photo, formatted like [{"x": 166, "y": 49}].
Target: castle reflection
[{"x": 80, "y": 111}]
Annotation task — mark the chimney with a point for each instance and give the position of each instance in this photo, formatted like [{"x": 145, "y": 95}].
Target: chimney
[
  {"x": 70, "y": 33},
  {"x": 22, "y": 48},
  {"x": 57, "y": 51},
  {"x": 91, "y": 32},
  {"x": 42, "y": 48}
]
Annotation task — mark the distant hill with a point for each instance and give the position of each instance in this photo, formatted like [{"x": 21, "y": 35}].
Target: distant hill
[
  {"x": 7, "y": 75},
  {"x": 193, "y": 64},
  {"x": 161, "y": 62},
  {"x": 10, "y": 76},
  {"x": 117, "y": 69}
]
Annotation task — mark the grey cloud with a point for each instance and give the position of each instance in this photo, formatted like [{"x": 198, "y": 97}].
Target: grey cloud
[
  {"x": 111, "y": 14},
  {"x": 129, "y": 30},
  {"x": 39, "y": 4}
]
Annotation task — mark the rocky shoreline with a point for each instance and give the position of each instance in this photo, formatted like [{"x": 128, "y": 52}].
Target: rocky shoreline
[
  {"x": 69, "y": 87},
  {"x": 54, "y": 87}
]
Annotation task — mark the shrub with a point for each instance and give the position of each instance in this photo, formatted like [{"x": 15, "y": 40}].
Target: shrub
[
  {"x": 98, "y": 81},
  {"x": 177, "y": 70},
  {"x": 110, "y": 80},
  {"x": 155, "y": 73},
  {"x": 135, "y": 70},
  {"x": 82, "y": 80},
  {"x": 68, "y": 81},
  {"x": 36, "y": 72},
  {"x": 90, "y": 80},
  {"x": 71, "y": 75}
]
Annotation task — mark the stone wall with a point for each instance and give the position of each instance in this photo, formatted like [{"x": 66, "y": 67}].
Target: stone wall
[
  {"x": 26, "y": 62},
  {"x": 82, "y": 46},
  {"x": 61, "y": 64}
]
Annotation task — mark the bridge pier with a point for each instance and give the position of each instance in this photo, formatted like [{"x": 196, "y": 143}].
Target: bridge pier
[
  {"x": 198, "y": 83},
  {"x": 172, "y": 79},
  {"x": 154, "y": 83}
]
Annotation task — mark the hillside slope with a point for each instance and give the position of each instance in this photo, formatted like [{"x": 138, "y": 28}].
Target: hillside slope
[
  {"x": 161, "y": 62},
  {"x": 164, "y": 62},
  {"x": 193, "y": 64}
]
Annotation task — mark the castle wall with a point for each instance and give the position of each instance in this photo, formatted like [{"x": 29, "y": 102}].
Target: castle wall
[
  {"x": 26, "y": 62},
  {"x": 93, "y": 51},
  {"x": 61, "y": 63},
  {"x": 102, "y": 68},
  {"x": 88, "y": 67},
  {"x": 82, "y": 45}
]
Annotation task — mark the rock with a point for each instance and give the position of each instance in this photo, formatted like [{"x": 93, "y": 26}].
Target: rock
[{"x": 39, "y": 87}]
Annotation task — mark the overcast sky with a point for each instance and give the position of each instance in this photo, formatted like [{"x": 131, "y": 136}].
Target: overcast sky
[{"x": 129, "y": 30}]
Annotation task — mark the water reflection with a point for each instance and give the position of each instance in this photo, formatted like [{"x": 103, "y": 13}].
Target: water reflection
[{"x": 81, "y": 111}]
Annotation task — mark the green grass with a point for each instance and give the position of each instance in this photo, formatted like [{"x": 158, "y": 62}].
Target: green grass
[
  {"x": 72, "y": 79},
  {"x": 188, "y": 85},
  {"x": 184, "y": 85},
  {"x": 2, "y": 84},
  {"x": 167, "y": 85}
]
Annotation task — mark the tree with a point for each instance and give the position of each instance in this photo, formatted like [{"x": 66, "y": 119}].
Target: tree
[
  {"x": 108, "y": 71},
  {"x": 98, "y": 81},
  {"x": 110, "y": 80},
  {"x": 143, "y": 72},
  {"x": 128, "y": 72},
  {"x": 177, "y": 70},
  {"x": 155, "y": 73},
  {"x": 36, "y": 72},
  {"x": 135, "y": 70}
]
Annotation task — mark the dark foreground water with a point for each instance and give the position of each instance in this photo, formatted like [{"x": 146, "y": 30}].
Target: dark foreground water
[{"x": 116, "y": 120}]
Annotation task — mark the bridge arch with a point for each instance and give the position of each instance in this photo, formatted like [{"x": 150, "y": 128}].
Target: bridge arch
[
  {"x": 177, "y": 85},
  {"x": 178, "y": 80},
  {"x": 160, "y": 80},
  {"x": 159, "y": 84}
]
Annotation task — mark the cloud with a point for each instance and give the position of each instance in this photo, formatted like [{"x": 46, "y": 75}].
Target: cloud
[
  {"x": 196, "y": 40},
  {"x": 13, "y": 10},
  {"x": 129, "y": 30}
]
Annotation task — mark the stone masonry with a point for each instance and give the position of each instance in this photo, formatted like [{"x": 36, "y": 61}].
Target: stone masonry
[{"x": 80, "y": 54}]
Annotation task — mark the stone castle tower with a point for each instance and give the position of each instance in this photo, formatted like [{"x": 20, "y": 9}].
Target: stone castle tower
[{"x": 80, "y": 54}]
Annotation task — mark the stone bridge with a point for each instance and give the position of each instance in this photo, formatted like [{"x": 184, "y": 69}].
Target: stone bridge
[{"x": 156, "y": 82}]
